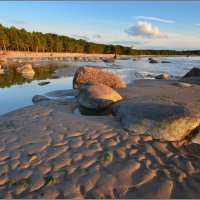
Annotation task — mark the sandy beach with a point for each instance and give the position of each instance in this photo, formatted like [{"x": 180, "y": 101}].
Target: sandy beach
[
  {"x": 13, "y": 56},
  {"x": 48, "y": 151},
  {"x": 99, "y": 100}
]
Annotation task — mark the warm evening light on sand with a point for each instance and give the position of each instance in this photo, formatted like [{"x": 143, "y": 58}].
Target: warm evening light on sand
[{"x": 99, "y": 100}]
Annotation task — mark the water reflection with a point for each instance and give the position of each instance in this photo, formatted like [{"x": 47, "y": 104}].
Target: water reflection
[{"x": 16, "y": 78}]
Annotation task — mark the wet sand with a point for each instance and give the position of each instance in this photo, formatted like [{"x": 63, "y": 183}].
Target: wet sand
[{"x": 46, "y": 151}]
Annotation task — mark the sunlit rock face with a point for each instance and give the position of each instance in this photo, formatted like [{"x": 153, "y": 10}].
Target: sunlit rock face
[
  {"x": 97, "y": 96},
  {"x": 85, "y": 74},
  {"x": 161, "y": 121}
]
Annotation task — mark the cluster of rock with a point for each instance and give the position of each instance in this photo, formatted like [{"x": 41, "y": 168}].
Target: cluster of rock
[
  {"x": 166, "y": 121},
  {"x": 53, "y": 57},
  {"x": 96, "y": 87}
]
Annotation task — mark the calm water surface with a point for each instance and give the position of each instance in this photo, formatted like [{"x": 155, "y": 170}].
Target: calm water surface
[{"x": 16, "y": 91}]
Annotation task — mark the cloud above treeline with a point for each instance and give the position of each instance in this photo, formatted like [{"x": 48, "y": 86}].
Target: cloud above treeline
[
  {"x": 17, "y": 22},
  {"x": 155, "y": 19},
  {"x": 97, "y": 36},
  {"x": 80, "y": 37},
  {"x": 145, "y": 30}
]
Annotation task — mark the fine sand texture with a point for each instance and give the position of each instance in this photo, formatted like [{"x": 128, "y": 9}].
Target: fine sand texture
[{"x": 46, "y": 151}]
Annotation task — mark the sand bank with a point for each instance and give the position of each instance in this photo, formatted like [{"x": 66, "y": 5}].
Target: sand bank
[{"x": 46, "y": 151}]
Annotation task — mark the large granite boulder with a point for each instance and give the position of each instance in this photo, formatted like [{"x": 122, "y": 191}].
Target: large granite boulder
[
  {"x": 97, "y": 96},
  {"x": 193, "y": 72},
  {"x": 85, "y": 74},
  {"x": 161, "y": 121}
]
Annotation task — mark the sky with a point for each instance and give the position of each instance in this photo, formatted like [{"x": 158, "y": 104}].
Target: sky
[{"x": 141, "y": 24}]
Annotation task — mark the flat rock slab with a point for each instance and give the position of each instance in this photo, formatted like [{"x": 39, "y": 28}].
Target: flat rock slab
[{"x": 161, "y": 121}]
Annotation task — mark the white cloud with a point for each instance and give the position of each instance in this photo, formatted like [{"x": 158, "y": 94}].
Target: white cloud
[
  {"x": 197, "y": 24},
  {"x": 145, "y": 30},
  {"x": 17, "y": 22},
  {"x": 155, "y": 19},
  {"x": 97, "y": 36},
  {"x": 78, "y": 37}
]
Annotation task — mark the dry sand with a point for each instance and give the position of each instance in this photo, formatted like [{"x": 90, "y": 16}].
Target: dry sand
[{"x": 92, "y": 156}]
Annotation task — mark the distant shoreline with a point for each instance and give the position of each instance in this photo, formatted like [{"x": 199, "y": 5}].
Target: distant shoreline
[{"x": 14, "y": 56}]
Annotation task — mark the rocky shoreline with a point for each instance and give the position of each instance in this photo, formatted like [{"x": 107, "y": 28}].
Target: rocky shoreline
[{"x": 48, "y": 151}]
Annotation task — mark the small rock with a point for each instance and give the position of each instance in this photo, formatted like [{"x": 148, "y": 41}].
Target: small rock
[
  {"x": 164, "y": 61},
  {"x": 44, "y": 83},
  {"x": 163, "y": 76},
  {"x": 38, "y": 98},
  {"x": 109, "y": 60},
  {"x": 153, "y": 61},
  {"x": 97, "y": 96}
]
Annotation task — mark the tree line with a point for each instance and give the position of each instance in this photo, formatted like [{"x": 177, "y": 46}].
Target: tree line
[{"x": 21, "y": 40}]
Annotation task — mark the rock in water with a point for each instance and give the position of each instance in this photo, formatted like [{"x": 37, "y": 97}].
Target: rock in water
[
  {"x": 193, "y": 72},
  {"x": 39, "y": 98},
  {"x": 164, "y": 61},
  {"x": 163, "y": 76},
  {"x": 27, "y": 68},
  {"x": 109, "y": 60},
  {"x": 85, "y": 74},
  {"x": 43, "y": 83},
  {"x": 161, "y": 121},
  {"x": 97, "y": 96},
  {"x": 153, "y": 61}
]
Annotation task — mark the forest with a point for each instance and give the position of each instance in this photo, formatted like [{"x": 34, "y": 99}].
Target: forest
[{"x": 13, "y": 39}]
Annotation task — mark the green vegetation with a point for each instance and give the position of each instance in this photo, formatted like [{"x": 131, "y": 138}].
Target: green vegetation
[
  {"x": 51, "y": 180},
  {"x": 30, "y": 155},
  {"x": 20, "y": 40},
  {"x": 25, "y": 181},
  {"x": 107, "y": 157}
]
